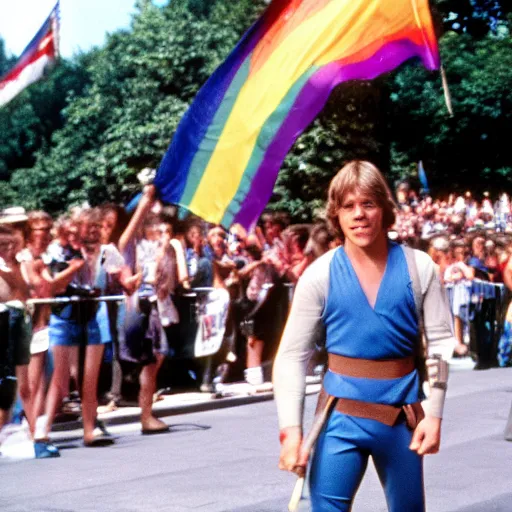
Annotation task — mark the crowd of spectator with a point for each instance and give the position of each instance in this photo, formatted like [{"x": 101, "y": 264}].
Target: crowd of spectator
[{"x": 152, "y": 258}]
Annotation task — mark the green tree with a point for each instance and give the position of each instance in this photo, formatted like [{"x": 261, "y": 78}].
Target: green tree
[
  {"x": 474, "y": 17},
  {"x": 471, "y": 149},
  {"x": 131, "y": 93},
  {"x": 29, "y": 120}
]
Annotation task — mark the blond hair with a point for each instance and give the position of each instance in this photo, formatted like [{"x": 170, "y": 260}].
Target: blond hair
[{"x": 365, "y": 178}]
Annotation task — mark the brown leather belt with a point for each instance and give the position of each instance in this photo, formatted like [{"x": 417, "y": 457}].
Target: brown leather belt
[
  {"x": 375, "y": 369},
  {"x": 369, "y": 368},
  {"x": 386, "y": 414}
]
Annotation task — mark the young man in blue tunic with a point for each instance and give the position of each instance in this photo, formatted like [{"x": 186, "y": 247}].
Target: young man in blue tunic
[{"x": 367, "y": 300}]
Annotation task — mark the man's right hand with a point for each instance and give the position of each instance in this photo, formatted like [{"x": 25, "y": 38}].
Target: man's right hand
[{"x": 290, "y": 457}]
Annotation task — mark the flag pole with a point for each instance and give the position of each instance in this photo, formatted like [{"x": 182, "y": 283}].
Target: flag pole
[
  {"x": 446, "y": 89},
  {"x": 55, "y": 28}
]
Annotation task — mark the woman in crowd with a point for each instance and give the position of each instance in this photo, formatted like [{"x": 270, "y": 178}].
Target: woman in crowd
[
  {"x": 146, "y": 322},
  {"x": 14, "y": 292},
  {"x": 86, "y": 324},
  {"x": 34, "y": 262}
]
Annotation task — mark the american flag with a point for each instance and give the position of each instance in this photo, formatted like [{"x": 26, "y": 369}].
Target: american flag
[{"x": 40, "y": 54}]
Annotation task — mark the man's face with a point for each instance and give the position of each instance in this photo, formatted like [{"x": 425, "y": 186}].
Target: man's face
[{"x": 360, "y": 219}]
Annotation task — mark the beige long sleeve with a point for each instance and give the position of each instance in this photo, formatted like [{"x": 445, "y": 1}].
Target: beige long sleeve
[
  {"x": 303, "y": 328},
  {"x": 437, "y": 323}
]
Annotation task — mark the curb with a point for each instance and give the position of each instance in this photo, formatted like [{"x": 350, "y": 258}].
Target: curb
[{"x": 209, "y": 403}]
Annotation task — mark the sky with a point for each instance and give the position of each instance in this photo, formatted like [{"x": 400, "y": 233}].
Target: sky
[{"x": 84, "y": 23}]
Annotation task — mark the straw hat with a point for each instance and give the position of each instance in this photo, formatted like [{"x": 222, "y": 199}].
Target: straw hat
[{"x": 13, "y": 215}]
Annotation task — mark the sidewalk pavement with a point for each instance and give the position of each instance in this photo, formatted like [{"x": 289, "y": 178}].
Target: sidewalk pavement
[
  {"x": 17, "y": 445},
  {"x": 185, "y": 403}
]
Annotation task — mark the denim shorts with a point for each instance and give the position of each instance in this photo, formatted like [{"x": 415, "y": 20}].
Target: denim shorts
[{"x": 69, "y": 333}]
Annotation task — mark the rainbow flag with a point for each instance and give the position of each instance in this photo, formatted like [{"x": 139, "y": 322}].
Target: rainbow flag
[{"x": 224, "y": 158}]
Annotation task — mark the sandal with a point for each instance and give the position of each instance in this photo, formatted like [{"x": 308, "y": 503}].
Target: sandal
[
  {"x": 153, "y": 431},
  {"x": 101, "y": 437},
  {"x": 97, "y": 441}
]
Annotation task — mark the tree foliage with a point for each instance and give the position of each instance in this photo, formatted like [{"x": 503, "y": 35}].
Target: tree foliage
[
  {"x": 470, "y": 149},
  {"x": 29, "y": 120}
]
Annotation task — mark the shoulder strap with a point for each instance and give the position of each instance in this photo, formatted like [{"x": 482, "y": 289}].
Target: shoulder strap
[
  {"x": 416, "y": 283},
  {"x": 420, "y": 352}
]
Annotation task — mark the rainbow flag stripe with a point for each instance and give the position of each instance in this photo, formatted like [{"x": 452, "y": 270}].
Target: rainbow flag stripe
[{"x": 224, "y": 158}]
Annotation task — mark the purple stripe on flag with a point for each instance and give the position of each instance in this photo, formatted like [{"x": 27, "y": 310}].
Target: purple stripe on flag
[{"x": 310, "y": 101}]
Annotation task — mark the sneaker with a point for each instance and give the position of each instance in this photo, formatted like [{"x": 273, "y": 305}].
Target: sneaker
[{"x": 45, "y": 450}]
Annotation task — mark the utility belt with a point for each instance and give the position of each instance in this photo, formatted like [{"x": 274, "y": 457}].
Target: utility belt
[{"x": 371, "y": 369}]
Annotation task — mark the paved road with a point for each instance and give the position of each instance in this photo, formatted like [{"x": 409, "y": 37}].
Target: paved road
[{"x": 225, "y": 460}]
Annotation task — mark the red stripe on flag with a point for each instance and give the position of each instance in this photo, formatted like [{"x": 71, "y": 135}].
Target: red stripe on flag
[{"x": 46, "y": 49}]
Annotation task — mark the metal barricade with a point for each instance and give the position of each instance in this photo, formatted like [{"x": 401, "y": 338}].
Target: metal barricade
[
  {"x": 481, "y": 306},
  {"x": 202, "y": 313}
]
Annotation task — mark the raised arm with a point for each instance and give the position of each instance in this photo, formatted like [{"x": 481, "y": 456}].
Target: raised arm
[
  {"x": 61, "y": 280},
  {"x": 145, "y": 204},
  {"x": 181, "y": 263}
]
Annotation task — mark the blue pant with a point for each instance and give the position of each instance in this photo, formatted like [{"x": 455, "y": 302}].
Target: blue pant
[{"x": 341, "y": 457}]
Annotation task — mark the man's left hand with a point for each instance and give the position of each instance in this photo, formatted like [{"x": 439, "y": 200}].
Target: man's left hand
[{"x": 427, "y": 436}]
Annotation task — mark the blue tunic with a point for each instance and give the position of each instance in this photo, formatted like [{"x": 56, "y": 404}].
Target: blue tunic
[{"x": 387, "y": 331}]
